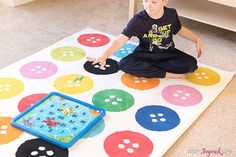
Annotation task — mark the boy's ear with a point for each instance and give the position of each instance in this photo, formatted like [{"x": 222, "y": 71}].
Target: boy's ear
[{"x": 165, "y": 2}]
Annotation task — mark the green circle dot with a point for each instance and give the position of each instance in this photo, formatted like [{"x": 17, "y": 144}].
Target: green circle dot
[
  {"x": 68, "y": 53},
  {"x": 113, "y": 100}
]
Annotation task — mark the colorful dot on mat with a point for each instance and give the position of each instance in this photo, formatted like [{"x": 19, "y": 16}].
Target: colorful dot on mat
[
  {"x": 38, "y": 69},
  {"x": 93, "y": 40},
  {"x": 113, "y": 100},
  {"x": 73, "y": 84},
  {"x": 125, "y": 50},
  {"x": 140, "y": 83},
  {"x": 10, "y": 87},
  {"x": 128, "y": 144},
  {"x": 68, "y": 53},
  {"x": 181, "y": 95},
  {"x": 110, "y": 67},
  {"x": 157, "y": 118},
  {"x": 204, "y": 76},
  {"x": 29, "y": 100},
  {"x": 40, "y": 148},
  {"x": 7, "y": 132}
]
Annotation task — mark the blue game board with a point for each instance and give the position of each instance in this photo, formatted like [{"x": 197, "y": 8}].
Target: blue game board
[{"x": 59, "y": 119}]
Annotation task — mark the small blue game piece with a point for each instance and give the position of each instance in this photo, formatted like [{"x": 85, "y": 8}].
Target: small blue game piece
[{"x": 59, "y": 119}]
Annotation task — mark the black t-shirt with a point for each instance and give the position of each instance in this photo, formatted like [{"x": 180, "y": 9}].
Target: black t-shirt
[{"x": 155, "y": 35}]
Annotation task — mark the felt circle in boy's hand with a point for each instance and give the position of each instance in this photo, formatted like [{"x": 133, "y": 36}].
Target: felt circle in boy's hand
[
  {"x": 128, "y": 144},
  {"x": 110, "y": 67},
  {"x": 38, "y": 147},
  {"x": 181, "y": 95},
  {"x": 93, "y": 40},
  {"x": 157, "y": 118}
]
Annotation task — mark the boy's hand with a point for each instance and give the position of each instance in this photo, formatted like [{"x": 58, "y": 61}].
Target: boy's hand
[
  {"x": 100, "y": 60},
  {"x": 199, "y": 46},
  {"x": 184, "y": 32}
]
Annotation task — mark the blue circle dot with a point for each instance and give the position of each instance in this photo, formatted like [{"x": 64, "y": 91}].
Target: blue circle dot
[
  {"x": 157, "y": 118},
  {"x": 125, "y": 50}
]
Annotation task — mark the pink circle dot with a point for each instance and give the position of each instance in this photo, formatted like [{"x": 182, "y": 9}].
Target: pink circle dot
[
  {"x": 38, "y": 70},
  {"x": 181, "y": 95}
]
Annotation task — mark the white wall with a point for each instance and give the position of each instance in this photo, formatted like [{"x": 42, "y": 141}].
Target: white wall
[{"x": 14, "y": 3}]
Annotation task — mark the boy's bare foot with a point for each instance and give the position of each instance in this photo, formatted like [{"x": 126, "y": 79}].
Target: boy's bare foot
[{"x": 172, "y": 75}]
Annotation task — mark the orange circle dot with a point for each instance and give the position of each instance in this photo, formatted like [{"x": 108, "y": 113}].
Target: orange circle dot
[
  {"x": 7, "y": 132},
  {"x": 140, "y": 83}
]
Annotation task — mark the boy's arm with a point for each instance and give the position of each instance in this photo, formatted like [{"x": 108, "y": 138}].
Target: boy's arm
[
  {"x": 186, "y": 33},
  {"x": 117, "y": 43}
]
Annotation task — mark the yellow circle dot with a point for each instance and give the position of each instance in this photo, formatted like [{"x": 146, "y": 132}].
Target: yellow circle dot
[
  {"x": 10, "y": 87},
  {"x": 204, "y": 76},
  {"x": 73, "y": 84}
]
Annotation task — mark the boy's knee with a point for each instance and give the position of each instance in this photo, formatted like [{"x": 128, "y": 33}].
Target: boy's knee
[
  {"x": 121, "y": 64},
  {"x": 126, "y": 63},
  {"x": 192, "y": 64}
]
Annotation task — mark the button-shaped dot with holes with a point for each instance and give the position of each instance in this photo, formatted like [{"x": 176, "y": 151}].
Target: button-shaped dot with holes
[
  {"x": 157, "y": 118},
  {"x": 29, "y": 100},
  {"x": 38, "y": 69},
  {"x": 73, "y": 83},
  {"x": 93, "y": 40},
  {"x": 125, "y": 50},
  {"x": 110, "y": 67},
  {"x": 128, "y": 144},
  {"x": 10, "y": 87},
  {"x": 140, "y": 83},
  {"x": 204, "y": 76},
  {"x": 7, "y": 132},
  {"x": 68, "y": 53},
  {"x": 40, "y": 148},
  {"x": 181, "y": 95},
  {"x": 114, "y": 100}
]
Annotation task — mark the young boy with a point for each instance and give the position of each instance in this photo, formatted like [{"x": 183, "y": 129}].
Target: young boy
[{"x": 156, "y": 55}]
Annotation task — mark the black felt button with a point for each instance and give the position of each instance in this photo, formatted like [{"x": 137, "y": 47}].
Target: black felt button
[
  {"x": 110, "y": 67},
  {"x": 39, "y": 148}
]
